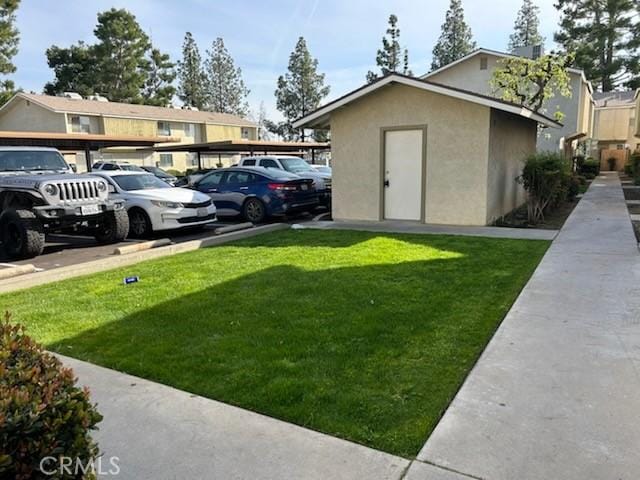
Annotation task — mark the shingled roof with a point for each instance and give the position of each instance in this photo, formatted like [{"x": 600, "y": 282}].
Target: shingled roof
[{"x": 128, "y": 110}]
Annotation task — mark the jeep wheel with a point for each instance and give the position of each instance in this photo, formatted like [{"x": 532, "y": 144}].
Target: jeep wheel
[
  {"x": 22, "y": 234},
  {"x": 114, "y": 227}
]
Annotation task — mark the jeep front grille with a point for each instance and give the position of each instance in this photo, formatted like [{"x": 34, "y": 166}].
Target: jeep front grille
[{"x": 78, "y": 191}]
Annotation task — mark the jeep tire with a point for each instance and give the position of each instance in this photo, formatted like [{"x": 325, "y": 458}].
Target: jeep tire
[
  {"x": 22, "y": 234},
  {"x": 114, "y": 227}
]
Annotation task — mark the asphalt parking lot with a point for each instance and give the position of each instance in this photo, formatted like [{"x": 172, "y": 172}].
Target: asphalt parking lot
[{"x": 65, "y": 250}]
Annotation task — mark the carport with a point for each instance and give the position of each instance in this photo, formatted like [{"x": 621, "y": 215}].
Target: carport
[
  {"x": 77, "y": 142},
  {"x": 251, "y": 147}
]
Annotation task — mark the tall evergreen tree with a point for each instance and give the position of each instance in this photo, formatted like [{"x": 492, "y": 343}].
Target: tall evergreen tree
[
  {"x": 391, "y": 58},
  {"x": 605, "y": 37},
  {"x": 301, "y": 89},
  {"x": 121, "y": 63},
  {"x": 527, "y": 27},
  {"x": 226, "y": 91},
  {"x": 74, "y": 69},
  {"x": 159, "y": 89},
  {"x": 456, "y": 39},
  {"x": 192, "y": 79},
  {"x": 9, "y": 39}
]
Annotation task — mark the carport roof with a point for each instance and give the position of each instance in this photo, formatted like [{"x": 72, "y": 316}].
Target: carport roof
[
  {"x": 238, "y": 146},
  {"x": 76, "y": 141},
  {"x": 320, "y": 117}
]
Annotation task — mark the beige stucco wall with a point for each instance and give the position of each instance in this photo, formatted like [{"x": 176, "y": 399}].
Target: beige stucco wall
[
  {"x": 616, "y": 124},
  {"x": 214, "y": 133},
  {"x": 457, "y": 153},
  {"x": 129, "y": 126},
  {"x": 22, "y": 115},
  {"x": 512, "y": 139}
]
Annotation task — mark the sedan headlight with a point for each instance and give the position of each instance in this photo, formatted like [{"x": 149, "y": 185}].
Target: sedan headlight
[
  {"x": 51, "y": 190},
  {"x": 102, "y": 186},
  {"x": 166, "y": 204}
]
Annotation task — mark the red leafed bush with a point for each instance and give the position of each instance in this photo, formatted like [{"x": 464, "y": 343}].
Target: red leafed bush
[{"x": 43, "y": 413}]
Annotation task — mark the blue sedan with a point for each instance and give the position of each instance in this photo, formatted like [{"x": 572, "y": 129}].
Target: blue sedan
[{"x": 257, "y": 193}]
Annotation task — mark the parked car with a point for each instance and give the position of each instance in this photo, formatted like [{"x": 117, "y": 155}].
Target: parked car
[
  {"x": 40, "y": 194},
  {"x": 322, "y": 169},
  {"x": 126, "y": 166},
  {"x": 258, "y": 193},
  {"x": 297, "y": 166},
  {"x": 161, "y": 174},
  {"x": 154, "y": 205},
  {"x": 192, "y": 178}
]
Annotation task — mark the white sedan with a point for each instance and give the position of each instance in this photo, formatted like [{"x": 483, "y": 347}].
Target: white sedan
[{"x": 154, "y": 205}]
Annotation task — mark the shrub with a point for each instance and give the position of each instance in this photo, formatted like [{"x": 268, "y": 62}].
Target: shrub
[
  {"x": 175, "y": 173},
  {"x": 635, "y": 168},
  {"x": 628, "y": 170},
  {"x": 42, "y": 412},
  {"x": 590, "y": 168},
  {"x": 546, "y": 177}
]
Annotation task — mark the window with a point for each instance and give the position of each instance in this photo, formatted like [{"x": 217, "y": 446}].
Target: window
[
  {"x": 80, "y": 124},
  {"x": 145, "y": 181},
  {"x": 251, "y": 162},
  {"x": 245, "y": 133},
  {"x": 268, "y": 163},
  {"x": 212, "y": 180},
  {"x": 620, "y": 146},
  {"x": 240, "y": 178},
  {"x": 164, "y": 129},
  {"x": 484, "y": 62},
  {"x": 189, "y": 130},
  {"x": 192, "y": 159},
  {"x": 166, "y": 160}
]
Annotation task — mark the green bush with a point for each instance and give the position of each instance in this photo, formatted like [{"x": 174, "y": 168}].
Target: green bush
[
  {"x": 635, "y": 168},
  {"x": 546, "y": 177},
  {"x": 42, "y": 412},
  {"x": 628, "y": 169},
  {"x": 175, "y": 173},
  {"x": 590, "y": 168}
]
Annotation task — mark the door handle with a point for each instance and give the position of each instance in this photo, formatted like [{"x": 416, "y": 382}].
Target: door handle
[
  {"x": 386, "y": 183},
  {"x": 244, "y": 188}
]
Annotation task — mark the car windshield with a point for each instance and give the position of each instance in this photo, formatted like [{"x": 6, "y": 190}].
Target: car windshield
[
  {"x": 324, "y": 169},
  {"x": 139, "y": 182},
  {"x": 31, "y": 161},
  {"x": 131, "y": 168},
  {"x": 296, "y": 165}
]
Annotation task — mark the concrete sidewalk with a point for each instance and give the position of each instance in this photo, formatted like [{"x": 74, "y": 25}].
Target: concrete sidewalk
[
  {"x": 396, "y": 226},
  {"x": 161, "y": 433},
  {"x": 556, "y": 394}
]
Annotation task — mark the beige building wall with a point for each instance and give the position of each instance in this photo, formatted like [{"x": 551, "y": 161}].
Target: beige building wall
[
  {"x": 457, "y": 153},
  {"x": 614, "y": 123},
  {"x": 214, "y": 133},
  {"x": 130, "y": 126},
  {"x": 512, "y": 139},
  {"x": 25, "y": 116}
]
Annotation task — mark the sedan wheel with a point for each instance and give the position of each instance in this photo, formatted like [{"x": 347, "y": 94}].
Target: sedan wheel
[
  {"x": 139, "y": 224},
  {"x": 254, "y": 211}
]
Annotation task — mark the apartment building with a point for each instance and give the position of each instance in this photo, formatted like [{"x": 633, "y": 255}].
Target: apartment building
[
  {"x": 616, "y": 126},
  {"x": 96, "y": 115},
  {"x": 474, "y": 72}
]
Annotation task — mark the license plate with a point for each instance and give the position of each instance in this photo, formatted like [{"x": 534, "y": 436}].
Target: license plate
[
  {"x": 304, "y": 186},
  {"x": 90, "y": 209},
  {"x": 203, "y": 212}
]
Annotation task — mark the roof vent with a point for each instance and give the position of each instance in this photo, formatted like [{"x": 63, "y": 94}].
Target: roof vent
[
  {"x": 97, "y": 98},
  {"x": 71, "y": 95}
]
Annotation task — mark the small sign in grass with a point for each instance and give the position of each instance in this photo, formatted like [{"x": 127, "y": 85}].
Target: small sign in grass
[{"x": 360, "y": 335}]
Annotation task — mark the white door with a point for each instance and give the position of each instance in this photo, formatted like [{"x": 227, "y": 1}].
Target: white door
[{"x": 403, "y": 174}]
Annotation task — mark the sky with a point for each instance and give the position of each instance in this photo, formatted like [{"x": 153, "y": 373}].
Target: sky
[{"x": 343, "y": 35}]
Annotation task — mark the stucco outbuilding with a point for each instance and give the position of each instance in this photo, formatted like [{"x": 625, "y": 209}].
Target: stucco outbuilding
[{"x": 409, "y": 149}]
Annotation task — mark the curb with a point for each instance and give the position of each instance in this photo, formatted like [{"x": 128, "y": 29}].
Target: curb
[
  {"x": 17, "y": 270},
  {"x": 116, "y": 261},
  {"x": 233, "y": 228},
  {"x": 139, "y": 247}
]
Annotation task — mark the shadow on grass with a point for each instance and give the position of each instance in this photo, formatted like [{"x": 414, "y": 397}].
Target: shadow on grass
[{"x": 373, "y": 353}]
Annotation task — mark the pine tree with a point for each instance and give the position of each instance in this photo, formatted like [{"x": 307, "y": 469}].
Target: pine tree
[
  {"x": 226, "y": 91},
  {"x": 74, "y": 69},
  {"x": 605, "y": 37},
  {"x": 456, "y": 39},
  {"x": 159, "y": 89},
  {"x": 192, "y": 80},
  {"x": 301, "y": 89},
  {"x": 390, "y": 58},
  {"x": 121, "y": 63},
  {"x": 9, "y": 39},
  {"x": 526, "y": 28}
]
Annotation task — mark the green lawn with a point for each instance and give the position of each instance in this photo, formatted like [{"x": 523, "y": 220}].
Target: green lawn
[{"x": 360, "y": 335}]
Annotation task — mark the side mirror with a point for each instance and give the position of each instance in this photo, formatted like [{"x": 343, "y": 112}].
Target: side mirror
[
  {"x": 74, "y": 167},
  {"x": 111, "y": 189}
]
